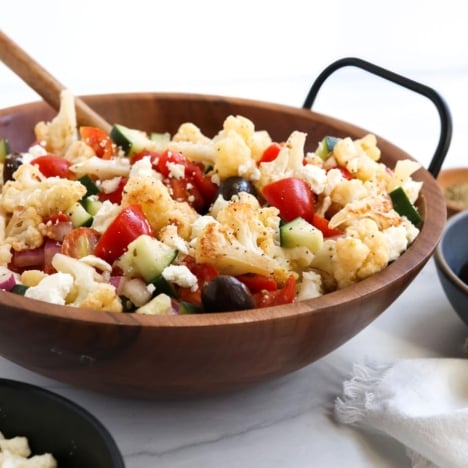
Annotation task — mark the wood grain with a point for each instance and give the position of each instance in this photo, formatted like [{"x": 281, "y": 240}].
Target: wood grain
[{"x": 198, "y": 355}]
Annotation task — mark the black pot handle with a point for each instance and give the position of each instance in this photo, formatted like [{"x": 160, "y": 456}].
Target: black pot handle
[{"x": 441, "y": 106}]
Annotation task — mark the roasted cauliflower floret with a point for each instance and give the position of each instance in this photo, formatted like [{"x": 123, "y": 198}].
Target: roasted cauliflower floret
[
  {"x": 23, "y": 230},
  {"x": 30, "y": 198},
  {"x": 46, "y": 195},
  {"x": 377, "y": 207},
  {"x": 61, "y": 131},
  {"x": 362, "y": 252},
  {"x": 244, "y": 238},
  {"x": 78, "y": 151},
  {"x": 90, "y": 289},
  {"x": 288, "y": 163},
  {"x": 102, "y": 168},
  {"x": 157, "y": 204},
  {"x": 238, "y": 146},
  {"x": 218, "y": 245},
  {"x": 361, "y": 157},
  {"x": 190, "y": 141},
  {"x": 255, "y": 227}
]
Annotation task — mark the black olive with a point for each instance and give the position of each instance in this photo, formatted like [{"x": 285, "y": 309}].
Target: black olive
[
  {"x": 11, "y": 164},
  {"x": 233, "y": 185},
  {"x": 225, "y": 293}
]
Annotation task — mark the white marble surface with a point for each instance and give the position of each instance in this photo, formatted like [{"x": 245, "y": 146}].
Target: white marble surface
[{"x": 286, "y": 422}]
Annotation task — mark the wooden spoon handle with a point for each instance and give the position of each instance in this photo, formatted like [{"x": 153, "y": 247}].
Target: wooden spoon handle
[{"x": 47, "y": 86}]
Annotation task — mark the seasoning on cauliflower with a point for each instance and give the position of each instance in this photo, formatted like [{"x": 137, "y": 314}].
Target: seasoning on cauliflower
[
  {"x": 241, "y": 239},
  {"x": 360, "y": 157},
  {"x": 362, "y": 252},
  {"x": 288, "y": 163},
  {"x": 61, "y": 131},
  {"x": 47, "y": 195},
  {"x": 190, "y": 141},
  {"x": 238, "y": 147},
  {"x": 158, "y": 206},
  {"x": 30, "y": 198}
]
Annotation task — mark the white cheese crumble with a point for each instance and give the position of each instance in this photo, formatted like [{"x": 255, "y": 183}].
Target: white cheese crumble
[
  {"x": 180, "y": 275},
  {"x": 176, "y": 170},
  {"x": 53, "y": 288}
]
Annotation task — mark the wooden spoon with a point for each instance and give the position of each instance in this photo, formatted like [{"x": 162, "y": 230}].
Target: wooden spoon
[{"x": 47, "y": 86}]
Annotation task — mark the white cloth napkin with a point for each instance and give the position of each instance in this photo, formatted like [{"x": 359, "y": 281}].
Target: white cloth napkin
[{"x": 422, "y": 403}]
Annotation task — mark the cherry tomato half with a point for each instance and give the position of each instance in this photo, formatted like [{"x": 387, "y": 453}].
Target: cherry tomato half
[
  {"x": 293, "y": 198},
  {"x": 129, "y": 224},
  {"x": 99, "y": 140},
  {"x": 271, "y": 152},
  {"x": 51, "y": 165},
  {"x": 80, "y": 242},
  {"x": 284, "y": 295},
  {"x": 322, "y": 223}
]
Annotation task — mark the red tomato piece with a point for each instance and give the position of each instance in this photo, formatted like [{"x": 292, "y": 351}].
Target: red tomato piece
[
  {"x": 99, "y": 140},
  {"x": 345, "y": 172},
  {"x": 116, "y": 195},
  {"x": 322, "y": 223},
  {"x": 271, "y": 152},
  {"x": 204, "y": 273},
  {"x": 204, "y": 184},
  {"x": 195, "y": 187},
  {"x": 167, "y": 158},
  {"x": 153, "y": 155},
  {"x": 284, "y": 295},
  {"x": 257, "y": 283},
  {"x": 51, "y": 165},
  {"x": 80, "y": 242},
  {"x": 293, "y": 198},
  {"x": 184, "y": 190},
  {"x": 129, "y": 224}
]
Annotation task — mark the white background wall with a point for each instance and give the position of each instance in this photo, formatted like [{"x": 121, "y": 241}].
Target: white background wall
[{"x": 266, "y": 50}]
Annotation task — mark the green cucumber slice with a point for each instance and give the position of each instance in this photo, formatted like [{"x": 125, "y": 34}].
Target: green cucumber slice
[
  {"x": 326, "y": 146},
  {"x": 147, "y": 257},
  {"x": 299, "y": 232},
  {"x": 79, "y": 216},
  {"x": 403, "y": 206},
  {"x": 130, "y": 140}
]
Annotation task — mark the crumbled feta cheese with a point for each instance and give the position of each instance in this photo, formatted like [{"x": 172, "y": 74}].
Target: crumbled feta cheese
[
  {"x": 310, "y": 286},
  {"x": 52, "y": 288},
  {"x": 176, "y": 170},
  {"x": 34, "y": 152},
  {"x": 105, "y": 215},
  {"x": 143, "y": 168},
  {"x": 109, "y": 185},
  {"x": 180, "y": 275},
  {"x": 316, "y": 177}
]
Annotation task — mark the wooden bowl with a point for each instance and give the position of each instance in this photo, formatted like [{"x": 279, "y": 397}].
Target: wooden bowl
[
  {"x": 449, "y": 177},
  {"x": 154, "y": 357}
]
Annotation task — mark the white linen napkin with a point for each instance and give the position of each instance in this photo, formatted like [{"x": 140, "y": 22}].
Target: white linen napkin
[{"x": 422, "y": 403}]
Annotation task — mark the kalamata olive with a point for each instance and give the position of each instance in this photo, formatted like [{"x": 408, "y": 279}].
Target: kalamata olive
[
  {"x": 233, "y": 185},
  {"x": 225, "y": 293},
  {"x": 11, "y": 164}
]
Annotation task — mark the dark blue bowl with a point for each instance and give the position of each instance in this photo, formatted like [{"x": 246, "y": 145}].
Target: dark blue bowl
[
  {"x": 450, "y": 256},
  {"x": 56, "y": 425}
]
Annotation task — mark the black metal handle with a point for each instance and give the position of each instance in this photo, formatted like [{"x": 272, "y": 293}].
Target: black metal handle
[{"x": 442, "y": 108}]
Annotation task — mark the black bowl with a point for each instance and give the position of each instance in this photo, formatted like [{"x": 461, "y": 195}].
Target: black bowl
[
  {"x": 450, "y": 256},
  {"x": 54, "y": 424}
]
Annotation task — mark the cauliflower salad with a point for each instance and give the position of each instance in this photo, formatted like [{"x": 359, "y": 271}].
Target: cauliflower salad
[{"x": 152, "y": 223}]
